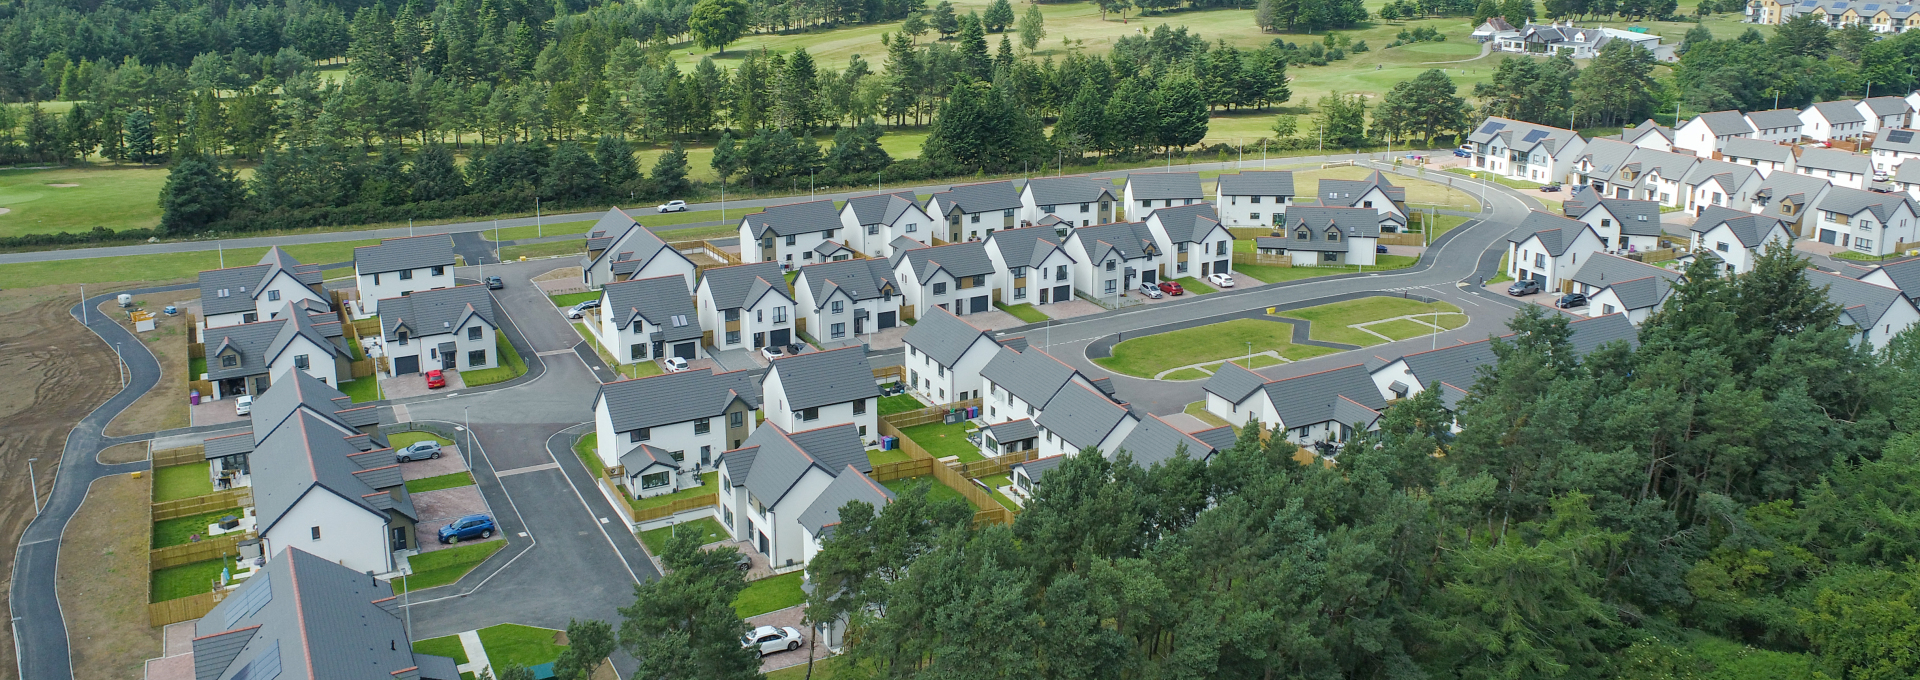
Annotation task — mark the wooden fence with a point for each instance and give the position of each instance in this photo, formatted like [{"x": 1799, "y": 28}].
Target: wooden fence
[
  {"x": 187, "y": 507},
  {"x": 196, "y": 350},
  {"x": 183, "y": 609},
  {"x": 181, "y": 456},
  {"x": 1402, "y": 239},
  {"x": 931, "y": 414},
  {"x": 922, "y": 464},
  {"x": 674, "y": 508},
  {"x": 890, "y": 374},
  {"x": 224, "y": 545},
  {"x": 996, "y": 466},
  {"x": 367, "y": 326},
  {"x": 1659, "y": 255},
  {"x": 1250, "y": 232},
  {"x": 708, "y": 249},
  {"x": 1263, "y": 259}
]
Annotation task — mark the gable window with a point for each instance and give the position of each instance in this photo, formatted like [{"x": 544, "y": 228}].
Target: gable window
[
  {"x": 439, "y": 270},
  {"x": 1333, "y": 235},
  {"x": 1300, "y": 234},
  {"x": 1060, "y": 272},
  {"x": 314, "y": 532},
  {"x": 839, "y": 306},
  {"x": 473, "y": 333},
  {"x": 940, "y": 288},
  {"x": 1722, "y": 246},
  {"x": 655, "y": 480},
  {"x": 860, "y": 407},
  {"x": 300, "y": 362},
  {"x": 406, "y": 275},
  {"x": 640, "y": 435},
  {"x": 911, "y": 226},
  {"x": 736, "y": 418},
  {"x": 1110, "y": 265},
  {"x": 273, "y": 295},
  {"x": 702, "y": 425},
  {"x": 780, "y": 314},
  {"x": 403, "y": 338}
]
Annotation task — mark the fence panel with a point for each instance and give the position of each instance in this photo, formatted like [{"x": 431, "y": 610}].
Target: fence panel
[
  {"x": 931, "y": 414},
  {"x": 186, "y": 507},
  {"x": 183, "y": 609},
  {"x": 196, "y": 350},
  {"x": 887, "y": 472},
  {"x": 676, "y": 507},
  {"x": 1263, "y": 259},
  {"x": 994, "y": 466},
  {"x": 181, "y": 456},
  {"x": 886, "y": 374},
  {"x": 367, "y": 326},
  {"x": 613, "y": 491},
  {"x": 1398, "y": 239},
  {"x": 1655, "y": 255},
  {"x": 224, "y": 545}
]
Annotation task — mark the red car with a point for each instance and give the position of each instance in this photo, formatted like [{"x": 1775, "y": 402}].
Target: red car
[
  {"x": 435, "y": 380},
  {"x": 1172, "y": 288}
]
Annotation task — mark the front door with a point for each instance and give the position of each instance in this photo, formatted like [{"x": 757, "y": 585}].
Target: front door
[
  {"x": 980, "y": 304},
  {"x": 1062, "y": 293},
  {"x": 780, "y": 337},
  {"x": 759, "y": 340},
  {"x": 1043, "y": 296},
  {"x": 763, "y": 544},
  {"x": 399, "y": 538},
  {"x": 1205, "y": 269},
  {"x": 859, "y": 325},
  {"x": 887, "y": 320},
  {"x": 448, "y": 353}
]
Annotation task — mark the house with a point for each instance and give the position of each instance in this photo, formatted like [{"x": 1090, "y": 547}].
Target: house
[
  {"x": 399, "y": 267},
  {"x": 303, "y": 616},
  {"x": 1455, "y": 368},
  {"x": 1617, "y": 285},
  {"x": 1654, "y": 175},
  {"x": 1649, "y": 135},
  {"x": 663, "y": 431},
  {"x": 768, "y": 484},
  {"x": 1108, "y": 258},
  {"x": 1026, "y": 476},
  {"x": 874, "y": 222},
  {"x": 1373, "y": 192},
  {"x": 1076, "y": 201},
  {"x": 944, "y": 356},
  {"x": 789, "y": 234},
  {"x": 242, "y": 358},
  {"x": 1154, "y": 442},
  {"x": 1903, "y": 276},
  {"x": 1193, "y": 234},
  {"x": 1544, "y": 39},
  {"x": 327, "y": 490},
  {"x": 1256, "y": 198},
  {"x": 649, "y": 319},
  {"x": 1789, "y": 197},
  {"x": 823, "y": 516},
  {"x": 1721, "y": 183},
  {"x": 972, "y": 211},
  {"x": 1884, "y": 113},
  {"x": 818, "y": 389},
  {"x": 1316, "y": 410},
  {"x": 1776, "y": 125},
  {"x": 1892, "y": 148},
  {"x": 1767, "y": 156},
  {"x": 1524, "y": 151},
  {"x": 619, "y": 249},
  {"x": 1317, "y": 236},
  {"x": 745, "y": 306},
  {"x": 1081, "y": 417},
  {"x": 1839, "y": 168},
  {"x": 1597, "y": 164},
  {"x": 1737, "y": 238},
  {"x": 854, "y": 297},
  {"x": 448, "y": 329},
  {"x": 229, "y": 457},
  {"x": 1878, "y": 312},
  {"x": 1829, "y": 121},
  {"x": 1009, "y": 437},
  {"x": 959, "y": 277},
  {"x": 1032, "y": 266},
  {"x": 1020, "y": 381},
  {"x": 1146, "y": 191},
  {"x": 1907, "y": 178},
  {"x": 1705, "y": 133},
  {"x": 1493, "y": 28},
  {"x": 238, "y": 295},
  {"x": 1866, "y": 221},
  {"x": 1623, "y": 225},
  {"x": 1548, "y": 248}
]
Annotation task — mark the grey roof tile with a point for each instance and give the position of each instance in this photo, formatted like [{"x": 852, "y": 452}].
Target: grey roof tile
[
  {"x": 1840, "y": 112},
  {"x": 1850, "y": 201},
  {"x": 1154, "y": 442},
  {"x": 1722, "y": 123},
  {"x": 1318, "y": 220},
  {"x": 1894, "y": 140},
  {"x": 1189, "y": 223},
  {"x": 1775, "y": 119},
  {"x": 880, "y": 208},
  {"x": 861, "y": 279},
  {"x": 941, "y": 335},
  {"x": 1606, "y": 156},
  {"x": 309, "y": 619},
  {"x": 1130, "y": 239},
  {"x": 1604, "y": 270},
  {"x": 1748, "y": 228},
  {"x": 1349, "y": 192},
  {"x": 1729, "y": 176},
  {"x": 304, "y": 453},
  {"x": 1317, "y": 397},
  {"x": 1458, "y": 366},
  {"x": 735, "y": 286},
  {"x": 1834, "y": 159},
  {"x": 794, "y": 218},
  {"x": 978, "y": 198},
  {"x": 834, "y": 376},
  {"x": 964, "y": 259},
  {"x": 1885, "y": 106},
  {"x": 434, "y": 312},
  {"x": 849, "y": 486},
  {"x": 1641, "y": 293},
  {"x": 1863, "y": 302},
  {"x": 1635, "y": 218},
  {"x": 1071, "y": 190},
  {"x": 1515, "y": 133},
  {"x": 243, "y": 284},
  {"x": 1013, "y": 430},
  {"x": 1164, "y": 185},
  {"x": 1082, "y": 416},
  {"x": 676, "y": 397},
  {"x": 1032, "y": 375},
  {"x": 1744, "y": 147},
  {"x": 1781, "y": 187},
  {"x": 1037, "y": 469},
  {"x": 1257, "y": 183},
  {"x": 1029, "y": 246},
  {"x": 782, "y": 459},
  {"x": 662, "y": 301},
  {"x": 1233, "y": 383},
  {"x": 1556, "y": 233},
  {"x": 1646, "y": 127},
  {"x": 1905, "y": 275},
  {"x": 411, "y": 252}
]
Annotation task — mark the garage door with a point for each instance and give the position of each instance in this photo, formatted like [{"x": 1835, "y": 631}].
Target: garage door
[
  {"x": 980, "y": 304},
  {"x": 780, "y": 337},
  {"x": 405, "y": 365},
  {"x": 684, "y": 350},
  {"x": 1828, "y": 236},
  {"x": 1222, "y": 266},
  {"x": 1062, "y": 293},
  {"x": 887, "y": 319}
]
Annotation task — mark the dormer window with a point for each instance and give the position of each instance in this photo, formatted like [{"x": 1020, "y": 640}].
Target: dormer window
[
  {"x": 1300, "y": 234},
  {"x": 229, "y": 361},
  {"x": 1333, "y": 234}
]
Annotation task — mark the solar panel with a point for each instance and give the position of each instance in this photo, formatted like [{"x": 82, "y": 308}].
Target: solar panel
[
  {"x": 1900, "y": 136},
  {"x": 266, "y": 666},
  {"x": 1871, "y": 8},
  {"x": 1491, "y": 127},
  {"x": 259, "y": 593},
  {"x": 1534, "y": 136}
]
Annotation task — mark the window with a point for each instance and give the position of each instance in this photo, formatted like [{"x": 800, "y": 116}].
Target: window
[
  {"x": 1110, "y": 265},
  {"x": 637, "y": 350},
  {"x": 702, "y": 425},
  {"x": 780, "y": 314},
  {"x": 808, "y": 414},
  {"x": 300, "y": 362},
  {"x": 1112, "y": 285},
  {"x": 1606, "y": 309},
  {"x": 1086, "y": 207},
  {"x": 473, "y": 333},
  {"x": 839, "y": 330},
  {"x": 1146, "y": 203},
  {"x": 839, "y": 306},
  {"x": 1048, "y": 208},
  {"x": 1722, "y": 247},
  {"x": 1330, "y": 257},
  {"x": 860, "y": 407},
  {"x": 974, "y": 219},
  {"x": 273, "y": 295},
  {"x": 1255, "y": 199},
  {"x": 1539, "y": 259},
  {"x": 979, "y": 280},
  {"x": 807, "y": 255},
  {"x": 706, "y": 455},
  {"x": 1060, "y": 272},
  {"x": 1181, "y": 267},
  {"x": 792, "y": 239},
  {"x": 406, "y": 275},
  {"x": 476, "y": 357},
  {"x": 733, "y": 337},
  {"x": 873, "y": 229},
  {"x": 914, "y": 376},
  {"x": 1019, "y": 272},
  {"x": 733, "y": 315},
  {"x": 1180, "y": 247},
  {"x": 736, "y": 419},
  {"x": 759, "y": 315},
  {"x": 403, "y": 338},
  {"x": 315, "y": 532},
  {"x": 1220, "y": 248},
  {"x": 940, "y": 371},
  {"x": 229, "y": 361},
  {"x": 439, "y": 270},
  {"x": 1253, "y": 216},
  {"x": 911, "y": 226},
  {"x": 940, "y": 288},
  {"x": 641, "y": 435},
  {"x": 1020, "y": 292},
  {"x": 1366, "y": 204},
  {"x": 655, "y": 480},
  {"x": 249, "y": 317}
]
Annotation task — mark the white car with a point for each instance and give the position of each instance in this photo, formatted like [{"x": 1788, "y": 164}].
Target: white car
[
  {"x": 672, "y": 206},
  {"x": 770, "y": 639},
  {"x": 772, "y": 352},
  {"x": 1151, "y": 291},
  {"x": 674, "y": 364},
  {"x": 243, "y": 405},
  {"x": 580, "y": 310},
  {"x": 1220, "y": 280}
]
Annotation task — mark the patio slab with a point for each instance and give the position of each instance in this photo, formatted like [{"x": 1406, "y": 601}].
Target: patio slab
[
  {"x": 790, "y": 616},
  {"x": 213, "y": 412},
  {"x": 1069, "y": 309}
]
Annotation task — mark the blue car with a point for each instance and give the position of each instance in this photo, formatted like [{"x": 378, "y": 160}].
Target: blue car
[
  {"x": 471, "y": 526},
  {"x": 1461, "y": 153}
]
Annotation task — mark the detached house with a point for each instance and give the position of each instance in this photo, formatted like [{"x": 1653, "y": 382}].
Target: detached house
[
  {"x": 1032, "y": 265},
  {"x": 1737, "y": 238},
  {"x": 1548, "y": 248},
  {"x": 1892, "y": 148},
  {"x": 1708, "y": 131},
  {"x": 1884, "y": 113},
  {"x": 1147, "y": 191},
  {"x": 769, "y": 484},
  {"x": 1154, "y": 442},
  {"x": 1617, "y": 285},
  {"x": 399, "y": 267},
  {"x": 1649, "y": 135},
  {"x": 1839, "y": 168},
  {"x": 1373, "y": 192},
  {"x": 1077, "y": 201},
  {"x": 241, "y": 359},
  {"x": 746, "y": 306},
  {"x": 1776, "y": 125},
  {"x": 1907, "y": 178},
  {"x": 944, "y": 356},
  {"x": 1654, "y": 175},
  {"x": 1903, "y": 276},
  {"x": 1765, "y": 156},
  {"x": 1315, "y": 236},
  {"x": 1867, "y": 222},
  {"x": 229, "y": 457},
  {"x": 1524, "y": 151},
  {"x": 1598, "y": 163},
  {"x": 1111, "y": 259},
  {"x": 792, "y": 234},
  {"x": 972, "y": 211},
  {"x": 874, "y": 222},
  {"x": 846, "y": 299},
  {"x": 1019, "y": 382},
  {"x": 1622, "y": 225},
  {"x": 619, "y": 249},
  {"x": 649, "y": 319},
  {"x": 818, "y": 389},
  {"x": 447, "y": 329},
  {"x": 326, "y": 490},
  {"x": 238, "y": 295},
  {"x": 1081, "y": 417},
  {"x": 1720, "y": 183},
  {"x": 822, "y": 517},
  {"x": 1194, "y": 239},
  {"x": 663, "y": 431},
  {"x": 1828, "y": 121},
  {"x": 1878, "y": 312},
  {"x": 957, "y": 277},
  {"x": 1789, "y": 197},
  {"x": 1315, "y": 411},
  {"x": 1257, "y": 198}
]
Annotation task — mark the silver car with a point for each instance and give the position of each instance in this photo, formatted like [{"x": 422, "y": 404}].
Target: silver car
[
  {"x": 1151, "y": 291},
  {"x": 425, "y": 449},
  {"x": 771, "y": 640}
]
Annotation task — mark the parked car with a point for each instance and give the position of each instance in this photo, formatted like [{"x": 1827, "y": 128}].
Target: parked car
[
  {"x": 495, "y": 283},
  {"x": 1570, "y": 301},
  {"x": 673, "y": 206},
  {"x": 1379, "y": 250},
  {"x": 425, "y": 449},
  {"x": 1551, "y": 186},
  {"x": 580, "y": 310},
  {"x": 673, "y": 364},
  {"x": 772, "y": 352},
  {"x": 436, "y": 379},
  {"x": 1462, "y": 153},
  {"x": 1527, "y": 287},
  {"x": 769, "y": 639},
  {"x": 1172, "y": 288},
  {"x": 1220, "y": 280},
  {"x": 471, "y": 526},
  {"x": 243, "y": 405},
  {"x": 743, "y": 562},
  {"x": 1151, "y": 291}
]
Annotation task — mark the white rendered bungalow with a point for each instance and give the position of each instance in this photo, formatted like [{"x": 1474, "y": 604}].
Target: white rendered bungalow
[
  {"x": 1790, "y": 197},
  {"x": 1194, "y": 238},
  {"x": 1648, "y": 135},
  {"x": 1617, "y": 285},
  {"x": 1075, "y": 201},
  {"x": 1737, "y": 238},
  {"x": 1373, "y": 192},
  {"x": 1032, "y": 266},
  {"x": 1548, "y": 248},
  {"x": 874, "y": 222},
  {"x": 1254, "y": 198}
]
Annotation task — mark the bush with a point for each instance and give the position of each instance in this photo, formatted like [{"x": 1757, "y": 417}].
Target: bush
[{"x": 1358, "y": 46}]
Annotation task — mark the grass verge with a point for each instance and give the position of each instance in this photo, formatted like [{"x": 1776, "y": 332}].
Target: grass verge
[
  {"x": 1186, "y": 374},
  {"x": 442, "y": 567},
  {"x": 1024, "y": 312},
  {"x": 1148, "y": 356},
  {"x": 994, "y": 482},
  {"x": 571, "y": 299},
  {"x": 936, "y": 492},
  {"x": 175, "y": 482},
  {"x": 539, "y": 250},
  {"x": 1271, "y": 274},
  {"x": 710, "y": 530},
  {"x": 511, "y": 365},
  {"x": 401, "y": 440},
  {"x": 180, "y": 530},
  {"x": 511, "y": 644},
  {"x": 1195, "y": 286},
  {"x": 900, "y": 403},
  {"x": 588, "y": 449},
  {"x": 942, "y": 440},
  {"x": 770, "y": 594},
  {"x": 362, "y": 390},
  {"x": 709, "y": 485},
  {"x": 448, "y": 646},
  {"x": 878, "y": 457},
  {"x": 104, "y": 567},
  {"x": 1332, "y": 322},
  {"x": 452, "y": 481}
]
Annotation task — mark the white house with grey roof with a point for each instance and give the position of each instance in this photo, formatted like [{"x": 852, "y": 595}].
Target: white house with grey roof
[
  {"x": 1866, "y": 221},
  {"x": 1316, "y": 235},
  {"x": 746, "y": 306},
  {"x": 944, "y": 356},
  {"x": 1075, "y": 201},
  {"x": 1877, "y": 311},
  {"x": 973, "y": 211},
  {"x": 1617, "y": 285},
  {"x": 1776, "y": 125},
  {"x": 1019, "y": 382},
  {"x": 1454, "y": 368},
  {"x": 1655, "y": 175},
  {"x": 648, "y": 320},
  {"x": 1548, "y": 248},
  {"x": 1737, "y": 238},
  {"x": 1315, "y": 411},
  {"x": 304, "y": 617},
  {"x": 1892, "y": 148},
  {"x": 844, "y": 300},
  {"x": 620, "y": 249},
  {"x": 1194, "y": 240},
  {"x": 1790, "y": 197},
  {"x": 243, "y": 358},
  {"x": 229, "y": 461},
  {"x": 958, "y": 277},
  {"x": 448, "y": 329},
  {"x": 1598, "y": 163},
  {"x": 874, "y": 222},
  {"x": 1704, "y": 134},
  {"x": 1372, "y": 192},
  {"x": 1154, "y": 442},
  {"x": 1149, "y": 191},
  {"x": 819, "y": 389},
  {"x": 1906, "y": 178},
  {"x": 1524, "y": 151},
  {"x": 1903, "y": 276},
  {"x": 399, "y": 267},
  {"x": 1109, "y": 260},
  {"x": 770, "y": 482},
  {"x": 1648, "y": 135},
  {"x": 789, "y": 234},
  {"x": 1081, "y": 417},
  {"x": 1838, "y": 167},
  {"x": 1884, "y": 113},
  {"x": 1828, "y": 121},
  {"x": 332, "y": 491},
  {"x": 1720, "y": 183},
  {"x": 1623, "y": 225},
  {"x": 1032, "y": 266},
  {"x": 822, "y": 517},
  {"x": 1765, "y": 156},
  {"x": 238, "y": 295},
  {"x": 1253, "y": 198},
  {"x": 664, "y": 430}
]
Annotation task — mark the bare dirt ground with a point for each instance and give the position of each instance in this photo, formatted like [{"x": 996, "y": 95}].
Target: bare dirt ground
[
  {"x": 51, "y": 373},
  {"x": 101, "y": 563},
  {"x": 130, "y": 452},
  {"x": 165, "y": 407}
]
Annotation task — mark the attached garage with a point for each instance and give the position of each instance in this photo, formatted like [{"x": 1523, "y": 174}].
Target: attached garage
[
  {"x": 889, "y": 320},
  {"x": 1062, "y": 293},
  {"x": 403, "y": 365},
  {"x": 980, "y": 304},
  {"x": 780, "y": 337},
  {"x": 685, "y": 350}
]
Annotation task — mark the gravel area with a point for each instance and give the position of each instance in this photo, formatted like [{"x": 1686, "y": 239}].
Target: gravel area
[
  {"x": 449, "y": 462},
  {"x": 437, "y": 508}
]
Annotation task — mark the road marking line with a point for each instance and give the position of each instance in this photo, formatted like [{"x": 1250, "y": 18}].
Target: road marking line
[
  {"x": 527, "y": 469},
  {"x": 553, "y": 353}
]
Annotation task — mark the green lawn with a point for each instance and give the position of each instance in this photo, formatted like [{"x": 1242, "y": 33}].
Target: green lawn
[
  {"x": 175, "y": 482},
  {"x": 644, "y": 214},
  {"x": 196, "y": 367},
  {"x": 709, "y": 485},
  {"x": 362, "y": 390},
  {"x": 1331, "y": 322},
  {"x": 1198, "y": 409},
  {"x": 448, "y": 646},
  {"x": 160, "y": 267},
  {"x": 1272, "y": 274},
  {"x": 455, "y": 480},
  {"x": 878, "y": 457},
  {"x": 994, "y": 482},
  {"x": 1404, "y": 329},
  {"x": 537, "y": 250},
  {"x": 1486, "y": 175},
  {"x": 639, "y": 369},
  {"x": 1148, "y": 356},
  {"x": 187, "y": 580},
  {"x": 710, "y": 530},
  {"x": 511, "y": 365},
  {"x": 770, "y": 594},
  {"x": 942, "y": 440},
  {"x": 823, "y": 669},
  {"x": 1195, "y": 286},
  {"x": 1186, "y": 374},
  {"x": 1500, "y": 275},
  {"x": 446, "y": 565},
  {"x": 1859, "y": 256},
  {"x": 936, "y": 492},
  {"x": 1024, "y": 312},
  {"x": 180, "y": 530},
  {"x": 571, "y": 299},
  {"x": 511, "y": 644},
  {"x": 587, "y": 448},
  {"x": 900, "y": 403},
  {"x": 112, "y": 197}
]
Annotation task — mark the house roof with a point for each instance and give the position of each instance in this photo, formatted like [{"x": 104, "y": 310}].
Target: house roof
[
  {"x": 780, "y": 458},
  {"x": 794, "y": 218},
  {"x": 1346, "y": 394},
  {"x": 637, "y": 459},
  {"x": 1349, "y": 192},
  {"x": 1834, "y": 159},
  {"x": 1900, "y": 140},
  {"x": 258, "y": 343},
  {"x": 849, "y": 486},
  {"x": 1075, "y": 189},
  {"x": 1905, "y": 275},
  {"x": 978, "y": 198},
  {"x": 1886, "y": 106},
  {"x": 1032, "y": 375},
  {"x": 1788, "y": 186},
  {"x": 1722, "y": 123},
  {"x": 1256, "y": 183},
  {"x": 1840, "y": 112},
  {"x": 1029, "y": 246},
  {"x": 1747, "y": 147},
  {"x": 1864, "y": 303},
  {"x": 1748, "y": 228},
  {"x": 1647, "y": 127},
  {"x": 411, "y": 252},
  {"x": 1669, "y": 165},
  {"x": 1556, "y": 233},
  {"x": 1153, "y": 441},
  {"x": 942, "y": 336},
  {"x": 1013, "y": 430},
  {"x": 1494, "y": 24},
  {"x": 1458, "y": 366},
  {"x": 1522, "y": 135},
  {"x": 1641, "y": 293},
  {"x": 959, "y": 260},
  {"x": 306, "y": 453},
  {"x": 1635, "y": 218},
  {"x": 1317, "y": 221},
  {"x": 1850, "y": 201},
  {"x": 1233, "y": 383},
  {"x": 1082, "y": 416},
  {"x": 611, "y": 225},
  {"x": 1131, "y": 240},
  {"x": 1606, "y": 156},
  {"x": 860, "y": 279},
  {"x": 294, "y": 391},
  {"x": 739, "y": 285},
  {"x": 1728, "y": 176},
  {"x": 1188, "y": 223},
  {"x": 670, "y": 398},
  {"x": 1604, "y": 269},
  {"x": 242, "y": 284},
  {"x": 662, "y": 301},
  {"x": 435, "y": 312},
  {"x": 834, "y": 376},
  {"x": 1162, "y": 185},
  {"x": 829, "y": 249},
  {"x": 1775, "y": 119},
  {"x": 1038, "y": 468},
  {"x": 881, "y": 208},
  {"x": 627, "y": 246}
]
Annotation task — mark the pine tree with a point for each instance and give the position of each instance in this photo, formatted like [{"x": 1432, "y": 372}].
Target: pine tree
[
  {"x": 998, "y": 17},
  {"x": 618, "y": 168},
  {"x": 198, "y": 193},
  {"x": 669, "y": 177},
  {"x": 682, "y": 625},
  {"x": 435, "y": 176},
  {"x": 726, "y": 156},
  {"x": 1182, "y": 112},
  {"x": 945, "y": 20},
  {"x": 973, "y": 48},
  {"x": 571, "y": 176}
]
